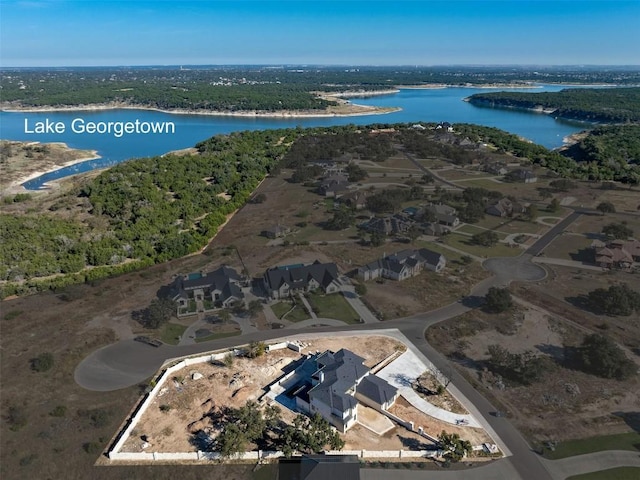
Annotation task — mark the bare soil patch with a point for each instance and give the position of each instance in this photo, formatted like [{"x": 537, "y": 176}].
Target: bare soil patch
[{"x": 185, "y": 406}]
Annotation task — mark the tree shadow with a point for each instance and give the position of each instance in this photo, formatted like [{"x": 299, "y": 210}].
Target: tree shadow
[
  {"x": 554, "y": 351},
  {"x": 632, "y": 419},
  {"x": 472, "y": 301},
  {"x": 415, "y": 444},
  {"x": 403, "y": 379},
  {"x": 582, "y": 302},
  {"x": 582, "y": 255}
]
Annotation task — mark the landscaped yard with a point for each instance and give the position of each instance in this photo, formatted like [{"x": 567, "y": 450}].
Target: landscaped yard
[
  {"x": 570, "y": 247},
  {"x": 333, "y": 306},
  {"x": 215, "y": 336},
  {"x": 623, "y": 441},
  {"x": 171, "y": 333},
  {"x": 296, "y": 315}
]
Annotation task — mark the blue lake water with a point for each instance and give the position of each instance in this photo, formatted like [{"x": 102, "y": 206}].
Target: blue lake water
[{"x": 428, "y": 105}]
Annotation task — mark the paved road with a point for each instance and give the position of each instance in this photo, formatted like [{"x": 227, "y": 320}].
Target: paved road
[{"x": 556, "y": 230}]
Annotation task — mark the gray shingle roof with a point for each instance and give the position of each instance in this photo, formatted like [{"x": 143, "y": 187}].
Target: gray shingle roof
[
  {"x": 376, "y": 389},
  {"x": 300, "y": 276}
]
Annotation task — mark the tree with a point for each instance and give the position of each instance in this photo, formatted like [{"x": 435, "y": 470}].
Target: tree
[
  {"x": 42, "y": 362},
  {"x": 342, "y": 218},
  {"x": 600, "y": 356},
  {"x": 531, "y": 213},
  {"x": 413, "y": 233},
  {"x": 256, "y": 349},
  {"x": 617, "y": 231},
  {"x": 523, "y": 368},
  {"x": 224, "y": 315},
  {"x": 616, "y": 300},
  {"x": 310, "y": 435},
  {"x": 377, "y": 239},
  {"x": 355, "y": 172},
  {"x": 606, "y": 207},
  {"x": 498, "y": 300},
  {"x": 487, "y": 238},
  {"x": 427, "y": 178},
  {"x": 455, "y": 449},
  {"x": 254, "y": 307},
  {"x": 231, "y": 441},
  {"x": 159, "y": 312},
  {"x": 554, "y": 205}
]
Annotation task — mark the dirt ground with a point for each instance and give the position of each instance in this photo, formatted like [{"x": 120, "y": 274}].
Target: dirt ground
[
  {"x": 183, "y": 404},
  {"x": 565, "y": 403}
]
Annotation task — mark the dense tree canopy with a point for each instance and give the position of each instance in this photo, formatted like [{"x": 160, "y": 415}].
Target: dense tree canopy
[
  {"x": 600, "y": 356},
  {"x": 616, "y": 300}
]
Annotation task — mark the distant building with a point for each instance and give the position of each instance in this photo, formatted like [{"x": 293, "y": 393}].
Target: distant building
[
  {"x": 496, "y": 168},
  {"x": 390, "y": 225},
  {"x": 505, "y": 208},
  {"x": 284, "y": 281},
  {"x": 277, "y": 231},
  {"x": 356, "y": 200},
  {"x": 334, "y": 186},
  {"x": 402, "y": 265},
  {"x": 522, "y": 175},
  {"x": 319, "y": 467},
  {"x": 446, "y": 126}
]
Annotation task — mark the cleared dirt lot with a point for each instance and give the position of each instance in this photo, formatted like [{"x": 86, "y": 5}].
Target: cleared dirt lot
[
  {"x": 182, "y": 406},
  {"x": 565, "y": 403}
]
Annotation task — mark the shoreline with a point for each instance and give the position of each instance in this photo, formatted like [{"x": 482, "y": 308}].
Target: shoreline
[
  {"x": 436, "y": 86},
  {"x": 366, "y": 110},
  {"x": 16, "y": 186}
]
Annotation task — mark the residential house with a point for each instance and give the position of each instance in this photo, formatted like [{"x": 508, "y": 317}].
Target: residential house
[
  {"x": 522, "y": 175},
  {"x": 334, "y": 186},
  {"x": 402, "y": 265},
  {"x": 496, "y": 168},
  {"x": 276, "y": 231},
  {"x": 390, "y": 225},
  {"x": 284, "y": 281},
  {"x": 339, "y": 382},
  {"x": 434, "y": 229},
  {"x": 446, "y": 126},
  {"x": 444, "y": 214},
  {"x": 620, "y": 254},
  {"x": 221, "y": 288},
  {"x": 356, "y": 200},
  {"x": 505, "y": 208}
]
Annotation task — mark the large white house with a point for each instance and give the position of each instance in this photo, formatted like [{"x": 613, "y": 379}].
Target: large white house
[{"x": 402, "y": 265}]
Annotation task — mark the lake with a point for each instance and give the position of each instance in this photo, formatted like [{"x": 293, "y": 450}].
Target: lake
[{"x": 428, "y": 105}]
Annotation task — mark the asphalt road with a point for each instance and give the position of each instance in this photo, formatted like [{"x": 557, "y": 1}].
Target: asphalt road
[{"x": 556, "y": 230}]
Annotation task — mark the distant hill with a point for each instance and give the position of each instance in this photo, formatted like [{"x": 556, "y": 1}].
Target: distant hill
[{"x": 598, "y": 105}]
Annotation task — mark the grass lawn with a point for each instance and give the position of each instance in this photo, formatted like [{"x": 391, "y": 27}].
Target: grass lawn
[
  {"x": 472, "y": 229},
  {"x": 569, "y": 247},
  {"x": 333, "y": 306},
  {"x": 620, "y": 473},
  {"x": 464, "y": 243},
  {"x": 509, "y": 225},
  {"x": 483, "y": 183},
  {"x": 215, "y": 336},
  {"x": 622, "y": 441},
  {"x": 296, "y": 315},
  {"x": 171, "y": 333}
]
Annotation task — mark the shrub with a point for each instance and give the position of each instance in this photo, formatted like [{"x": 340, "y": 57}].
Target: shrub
[
  {"x": 498, "y": 300},
  {"x": 58, "y": 411},
  {"x": 42, "y": 362},
  {"x": 165, "y": 407},
  {"x": 91, "y": 447},
  {"x": 16, "y": 417}
]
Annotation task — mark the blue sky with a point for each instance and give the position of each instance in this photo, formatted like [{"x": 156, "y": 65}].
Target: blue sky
[{"x": 421, "y": 32}]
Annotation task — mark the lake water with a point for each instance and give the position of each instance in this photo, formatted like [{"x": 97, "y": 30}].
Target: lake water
[{"x": 428, "y": 105}]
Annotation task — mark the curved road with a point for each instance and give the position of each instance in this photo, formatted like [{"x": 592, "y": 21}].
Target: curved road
[{"x": 128, "y": 362}]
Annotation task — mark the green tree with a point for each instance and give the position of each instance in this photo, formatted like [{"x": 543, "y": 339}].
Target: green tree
[
  {"x": 42, "y": 362},
  {"x": 342, "y": 218},
  {"x": 160, "y": 310},
  {"x": 310, "y": 435},
  {"x": 355, "y": 172},
  {"x": 413, "y": 233},
  {"x": 224, "y": 315},
  {"x": 531, "y": 213},
  {"x": 376, "y": 239},
  {"x": 256, "y": 349},
  {"x": 617, "y": 231},
  {"x": 487, "y": 238},
  {"x": 606, "y": 207},
  {"x": 616, "y": 300},
  {"x": 554, "y": 205},
  {"x": 231, "y": 441},
  {"x": 254, "y": 308},
  {"x": 455, "y": 449},
  {"x": 600, "y": 356},
  {"x": 498, "y": 300}
]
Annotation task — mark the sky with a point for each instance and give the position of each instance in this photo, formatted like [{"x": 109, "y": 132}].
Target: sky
[{"x": 39, "y": 33}]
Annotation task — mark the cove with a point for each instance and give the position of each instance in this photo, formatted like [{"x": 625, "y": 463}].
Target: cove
[{"x": 427, "y": 105}]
